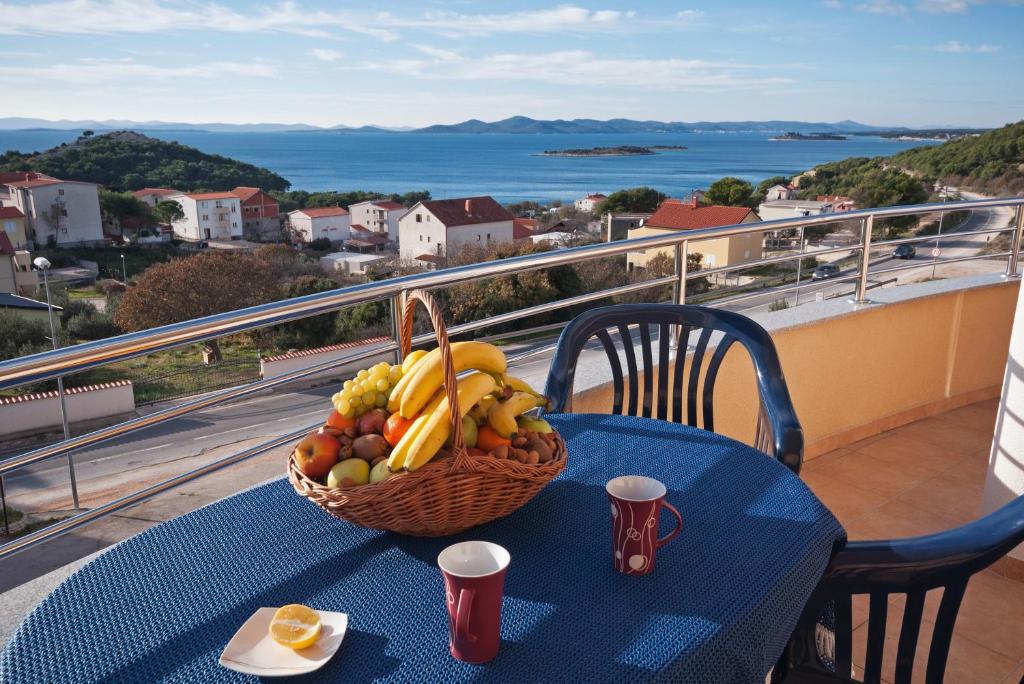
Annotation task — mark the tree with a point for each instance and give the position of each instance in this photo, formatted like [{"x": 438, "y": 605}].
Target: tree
[
  {"x": 731, "y": 192},
  {"x": 125, "y": 210},
  {"x": 193, "y": 287},
  {"x": 633, "y": 200},
  {"x": 22, "y": 336},
  {"x": 314, "y": 331},
  {"x": 168, "y": 211},
  {"x": 763, "y": 186}
]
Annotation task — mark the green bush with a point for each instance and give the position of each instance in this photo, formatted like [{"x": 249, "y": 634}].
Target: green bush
[{"x": 91, "y": 326}]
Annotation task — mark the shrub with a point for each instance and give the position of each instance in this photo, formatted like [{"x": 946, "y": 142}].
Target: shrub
[{"x": 320, "y": 244}]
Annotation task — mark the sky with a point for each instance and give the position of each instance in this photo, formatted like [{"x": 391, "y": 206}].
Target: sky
[{"x": 886, "y": 62}]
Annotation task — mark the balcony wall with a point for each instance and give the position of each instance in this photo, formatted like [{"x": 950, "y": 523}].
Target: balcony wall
[{"x": 917, "y": 351}]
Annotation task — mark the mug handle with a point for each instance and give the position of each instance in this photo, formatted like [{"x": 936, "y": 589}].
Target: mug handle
[
  {"x": 679, "y": 525},
  {"x": 465, "y": 605}
]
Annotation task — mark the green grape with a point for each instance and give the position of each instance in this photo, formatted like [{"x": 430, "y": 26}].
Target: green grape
[
  {"x": 382, "y": 400},
  {"x": 377, "y": 373},
  {"x": 369, "y": 399},
  {"x": 343, "y": 406},
  {"x": 383, "y": 385},
  {"x": 347, "y": 384},
  {"x": 356, "y": 390},
  {"x": 394, "y": 375},
  {"x": 368, "y": 386},
  {"x": 361, "y": 409},
  {"x": 362, "y": 374},
  {"x": 345, "y": 394}
]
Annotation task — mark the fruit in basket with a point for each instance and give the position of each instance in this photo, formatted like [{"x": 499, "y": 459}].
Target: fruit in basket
[
  {"x": 535, "y": 424},
  {"x": 412, "y": 359},
  {"x": 370, "y": 447},
  {"x": 351, "y": 472},
  {"x": 339, "y": 422},
  {"x": 428, "y": 376},
  {"x": 369, "y": 389},
  {"x": 316, "y": 453},
  {"x": 295, "y": 626},
  {"x": 469, "y": 430},
  {"x": 430, "y": 437},
  {"x": 396, "y": 460},
  {"x": 489, "y": 440},
  {"x": 518, "y": 384},
  {"x": 379, "y": 472},
  {"x": 479, "y": 412},
  {"x": 394, "y": 427},
  {"x": 502, "y": 416},
  {"x": 372, "y": 422}
]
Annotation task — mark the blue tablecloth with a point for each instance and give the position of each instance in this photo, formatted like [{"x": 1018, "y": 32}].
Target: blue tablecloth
[{"x": 719, "y": 606}]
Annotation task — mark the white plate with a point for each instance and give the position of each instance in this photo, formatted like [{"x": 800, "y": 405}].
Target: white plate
[{"x": 253, "y": 651}]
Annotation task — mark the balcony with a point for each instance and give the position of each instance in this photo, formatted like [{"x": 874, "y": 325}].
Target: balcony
[{"x": 896, "y": 391}]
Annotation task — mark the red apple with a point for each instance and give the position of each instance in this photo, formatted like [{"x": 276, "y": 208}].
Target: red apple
[{"x": 316, "y": 454}]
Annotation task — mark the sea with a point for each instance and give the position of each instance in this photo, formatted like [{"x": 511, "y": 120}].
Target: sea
[{"x": 508, "y": 167}]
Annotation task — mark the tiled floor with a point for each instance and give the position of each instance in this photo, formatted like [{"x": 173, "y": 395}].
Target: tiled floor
[{"x": 922, "y": 478}]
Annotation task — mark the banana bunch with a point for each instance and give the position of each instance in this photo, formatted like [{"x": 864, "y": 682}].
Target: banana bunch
[
  {"x": 502, "y": 415},
  {"x": 425, "y": 376}
]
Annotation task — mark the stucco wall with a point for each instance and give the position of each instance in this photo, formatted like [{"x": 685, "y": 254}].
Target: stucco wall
[{"x": 42, "y": 410}]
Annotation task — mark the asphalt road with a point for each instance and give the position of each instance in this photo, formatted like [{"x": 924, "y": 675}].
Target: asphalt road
[{"x": 281, "y": 412}]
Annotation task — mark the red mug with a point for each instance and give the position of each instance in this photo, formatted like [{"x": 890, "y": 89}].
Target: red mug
[
  {"x": 636, "y": 504},
  {"x": 474, "y": 581}
]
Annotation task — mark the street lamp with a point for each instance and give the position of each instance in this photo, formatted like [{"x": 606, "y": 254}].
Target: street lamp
[
  {"x": 43, "y": 264},
  {"x": 124, "y": 272}
]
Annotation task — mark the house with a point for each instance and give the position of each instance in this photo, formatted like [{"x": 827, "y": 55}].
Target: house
[
  {"x": 351, "y": 263},
  {"x": 780, "y": 192},
  {"x": 435, "y": 229},
  {"x": 523, "y": 228},
  {"x": 56, "y": 212},
  {"x": 333, "y": 223},
  {"x": 380, "y": 216},
  {"x": 365, "y": 240},
  {"x": 12, "y": 221},
  {"x": 590, "y": 202},
  {"x": 675, "y": 215},
  {"x": 208, "y": 216},
  {"x": 617, "y": 226},
  {"x": 838, "y": 202},
  {"x": 153, "y": 196},
  {"x": 791, "y": 208},
  {"x": 261, "y": 214},
  {"x": 16, "y": 274},
  {"x": 27, "y": 308}
]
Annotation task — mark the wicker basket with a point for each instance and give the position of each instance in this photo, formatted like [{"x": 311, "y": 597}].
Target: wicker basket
[{"x": 445, "y": 496}]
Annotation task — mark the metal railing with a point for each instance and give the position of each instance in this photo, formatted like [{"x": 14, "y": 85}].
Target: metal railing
[{"x": 57, "y": 363}]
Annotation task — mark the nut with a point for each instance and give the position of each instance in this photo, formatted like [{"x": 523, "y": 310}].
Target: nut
[
  {"x": 533, "y": 458},
  {"x": 351, "y": 432},
  {"x": 500, "y": 451},
  {"x": 519, "y": 442},
  {"x": 346, "y": 451}
]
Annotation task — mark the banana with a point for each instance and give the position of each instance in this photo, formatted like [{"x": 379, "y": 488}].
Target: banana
[
  {"x": 518, "y": 384},
  {"x": 412, "y": 359},
  {"x": 502, "y": 416},
  {"x": 434, "y": 432},
  {"x": 429, "y": 374},
  {"x": 397, "y": 456},
  {"x": 479, "y": 412},
  {"x": 411, "y": 363}
]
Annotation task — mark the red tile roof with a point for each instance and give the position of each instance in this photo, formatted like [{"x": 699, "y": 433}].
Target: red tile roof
[
  {"x": 5, "y": 244},
  {"x": 679, "y": 216},
  {"x": 34, "y": 183},
  {"x": 15, "y": 176},
  {"x": 163, "y": 192},
  {"x": 596, "y": 195},
  {"x": 430, "y": 258},
  {"x": 329, "y": 348},
  {"x": 10, "y": 212},
  {"x": 52, "y": 394},
  {"x": 467, "y": 211},
  {"x": 320, "y": 212},
  {"x": 211, "y": 195},
  {"x": 523, "y": 228}
]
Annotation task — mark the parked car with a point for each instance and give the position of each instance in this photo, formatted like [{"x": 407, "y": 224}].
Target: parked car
[
  {"x": 825, "y": 271},
  {"x": 904, "y": 252}
]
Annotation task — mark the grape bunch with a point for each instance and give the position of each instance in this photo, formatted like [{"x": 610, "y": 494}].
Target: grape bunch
[{"x": 369, "y": 389}]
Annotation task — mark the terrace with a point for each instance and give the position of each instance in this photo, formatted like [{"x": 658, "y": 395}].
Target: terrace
[{"x": 897, "y": 392}]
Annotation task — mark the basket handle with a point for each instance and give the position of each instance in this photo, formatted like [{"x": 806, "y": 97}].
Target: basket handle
[{"x": 461, "y": 460}]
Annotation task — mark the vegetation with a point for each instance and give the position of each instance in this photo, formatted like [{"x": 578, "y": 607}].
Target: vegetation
[
  {"x": 126, "y": 210},
  {"x": 301, "y": 199},
  {"x": 633, "y": 200},
  {"x": 991, "y": 163},
  {"x": 731, "y": 192},
  {"x": 763, "y": 186},
  {"x": 124, "y": 160}
]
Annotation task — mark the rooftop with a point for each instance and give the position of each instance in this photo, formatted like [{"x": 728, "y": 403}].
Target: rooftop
[
  {"x": 13, "y": 301},
  {"x": 467, "y": 211},
  {"x": 11, "y": 212},
  {"x": 320, "y": 212},
  {"x": 162, "y": 192},
  {"x": 210, "y": 195},
  {"x": 685, "y": 216},
  {"x": 796, "y": 204}
]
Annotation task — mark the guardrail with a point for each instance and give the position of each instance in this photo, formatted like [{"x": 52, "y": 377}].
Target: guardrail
[{"x": 56, "y": 363}]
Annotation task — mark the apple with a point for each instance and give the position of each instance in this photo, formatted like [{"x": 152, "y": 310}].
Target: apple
[
  {"x": 316, "y": 454},
  {"x": 380, "y": 472},
  {"x": 339, "y": 422},
  {"x": 349, "y": 473}
]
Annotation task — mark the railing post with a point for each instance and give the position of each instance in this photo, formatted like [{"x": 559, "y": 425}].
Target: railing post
[
  {"x": 396, "y": 325},
  {"x": 679, "y": 289},
  {"x": 1018, "y": 231},
  {"x": 868, "y": 225}
]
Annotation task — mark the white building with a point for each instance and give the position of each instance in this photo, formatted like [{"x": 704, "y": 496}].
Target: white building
[
  {"x": 208, "y": 216},
  {"x": 379, "y": 216},
  {"x": 58, "y": 212},
  {"x": 153, "y": 196},
  {"x": 352, "y": 263},
  {"x": 590, "y": 202},
  {"x": 435, "y": 229},
  {"x": 790, "y": 208},
  {"x": 332, "y": 223},
  {"x": 780, "y": 192}
]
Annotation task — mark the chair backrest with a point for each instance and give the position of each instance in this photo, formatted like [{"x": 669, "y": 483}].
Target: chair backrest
[
  {"x": 675, "y": 326},
  {"x": 913, "y": 567}
]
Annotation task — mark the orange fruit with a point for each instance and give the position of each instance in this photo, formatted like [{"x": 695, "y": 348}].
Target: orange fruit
[
  {"x": 339, "y": 422},
  {"x": 396, "y": 426},
  {"x": 488, "y": 440},
  {"x": 295, "y": 626}
]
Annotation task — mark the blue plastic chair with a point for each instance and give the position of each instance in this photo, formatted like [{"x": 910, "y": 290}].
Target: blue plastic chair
[
  {"x": 821, "y": 647},
  {"x": 778, "y": 431}
]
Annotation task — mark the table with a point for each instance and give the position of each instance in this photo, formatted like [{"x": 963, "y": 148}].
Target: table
[{"x": 719, "y": 606}]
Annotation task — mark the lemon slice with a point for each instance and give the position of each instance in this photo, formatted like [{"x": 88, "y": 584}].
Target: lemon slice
[{"x": 295, "y": 626}]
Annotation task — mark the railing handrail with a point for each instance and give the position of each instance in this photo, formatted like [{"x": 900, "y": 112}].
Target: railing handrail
[{"x": 51, "y": 364}]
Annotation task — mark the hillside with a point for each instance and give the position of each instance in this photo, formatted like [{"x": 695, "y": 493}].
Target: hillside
[
  {"x": 991, "y": 163},
  {"x": 124, "y": 160},
  {"x": 524, "y": 124}
]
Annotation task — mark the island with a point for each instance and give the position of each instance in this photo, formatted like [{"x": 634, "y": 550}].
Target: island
[
  {"x": 619, "y": 151},
  {"x": 792, "y": 135}
]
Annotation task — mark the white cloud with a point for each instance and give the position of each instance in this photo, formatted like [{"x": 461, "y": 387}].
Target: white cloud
[
  {"x": 944, "y": 6},
  {"x": 832, "y": 4},
  {"x": 326, "y": 55},
  {"x": 886, "y": 7},
  {"x": 564, "y": 18},
  {"x": 127, "y": 70},
  {"x": 956, "y": 46},
  {"x": 585, "y": 68},
  {"x": 438, "y": 54}
]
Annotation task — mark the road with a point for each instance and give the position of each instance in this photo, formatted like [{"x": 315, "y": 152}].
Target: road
[{"x": 281, "y": 412}]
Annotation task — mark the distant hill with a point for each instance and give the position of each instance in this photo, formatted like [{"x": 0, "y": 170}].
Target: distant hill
[
  {"x": 991, "y": 163},
  {"x": 124, "y": 160},
  {"x": 524, "y": 124}
]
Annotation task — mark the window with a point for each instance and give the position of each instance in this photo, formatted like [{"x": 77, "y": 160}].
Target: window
[
  {"x": 60, "y": 191},
  {"x": 478, "y": 237},
  {"x": 488, "y": 237},
  {"x": 206, "y": 217},
  {"x": 419, "y": 218},
  {"x": 233, "y": 208},
  {"x": 63, "y": 212},
  {"x": 234, "y": 224},
  {"x": 219, "y": 205},
  {"x": 9, "y": 226},
  {"x": 421, "y": 238},
  {"x": 428, "y": 238}
]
